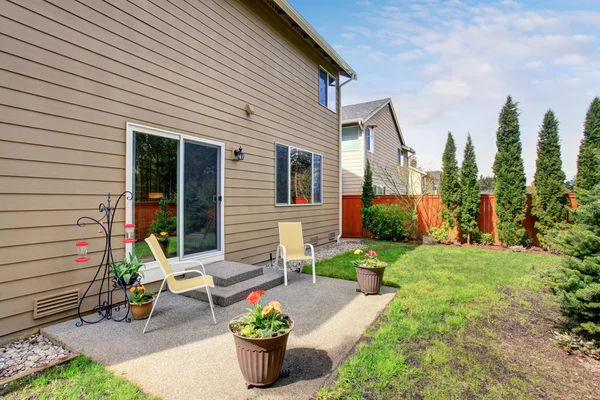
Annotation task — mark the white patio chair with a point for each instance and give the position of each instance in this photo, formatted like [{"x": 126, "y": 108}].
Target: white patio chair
[
  {"x": 179, "y": 286},
  {"x": 292, "y": 246}
]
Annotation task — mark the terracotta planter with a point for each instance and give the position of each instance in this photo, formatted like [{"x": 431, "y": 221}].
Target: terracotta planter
[
  {"x": 142, "y": 311},
  {"x": 369, "y": 279},
  {"x": 260, "y": 359}
]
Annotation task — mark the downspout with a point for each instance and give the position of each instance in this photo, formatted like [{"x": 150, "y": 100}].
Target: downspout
[{"x": 338, "y": 239}]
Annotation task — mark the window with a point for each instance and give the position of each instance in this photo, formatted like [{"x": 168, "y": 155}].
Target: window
[
  {"x": 350, "y": 138},
  {"x": 298, "y": 175},
  {"x": 370, "y": 139},
  {"x": 327, "y": 90},
  {"x": 378, "y": 189},
  {"x": 176, "y": 186},
  {"x": 400, "y": 158}
]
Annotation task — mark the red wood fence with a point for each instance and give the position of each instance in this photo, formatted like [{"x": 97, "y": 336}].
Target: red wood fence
[{"x": 428, "y": 214}]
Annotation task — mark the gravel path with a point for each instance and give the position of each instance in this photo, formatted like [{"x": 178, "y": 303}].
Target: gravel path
[
  {"x": 19, "y": 356},
  {"x": 327, "y": 251}
]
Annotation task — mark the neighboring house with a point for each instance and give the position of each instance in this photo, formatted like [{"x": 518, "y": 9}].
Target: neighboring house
[
  {"x": 372, "y": 130},
  {"x": 432, "y": 181},
  {"x": 154, "y": 97}
]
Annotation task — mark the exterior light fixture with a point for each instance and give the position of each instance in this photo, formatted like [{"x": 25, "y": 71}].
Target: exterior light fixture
[
  {"x": 129, "y": 233},
  {"x": 82, "y": 249},
  {"x": 239, "y": 154}
]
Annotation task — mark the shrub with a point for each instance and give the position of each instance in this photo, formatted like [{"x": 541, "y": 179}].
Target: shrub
[
  {"x": 389, "y": 221},
  {"x": 438, "y": 233},
  {"x": 487, "y": 239},
  {"x": 163, "y": 220}
]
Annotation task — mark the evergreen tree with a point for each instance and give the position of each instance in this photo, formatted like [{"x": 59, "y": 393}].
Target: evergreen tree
[
  {"x": 449, "y": 183},
  {"x": 510, "y": 180},
  {"x": 470, "y": 192},
  {"x": 367, "y": 189},
  {"x": 548, "y": 197},
  {"x": 588, "y": 170},
  {"x": 578, "y": 282}
]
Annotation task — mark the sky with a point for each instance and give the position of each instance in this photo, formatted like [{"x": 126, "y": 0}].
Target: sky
[{"x": 449, "y": 65}]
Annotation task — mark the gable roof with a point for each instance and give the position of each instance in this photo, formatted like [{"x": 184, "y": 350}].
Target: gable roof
[
  {"x": 289, "y": 14},
  {"x": 360, "y": 113}
]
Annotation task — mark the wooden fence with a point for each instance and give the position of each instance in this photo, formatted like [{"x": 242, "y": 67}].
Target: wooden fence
[{"x": 428, "y": 214}]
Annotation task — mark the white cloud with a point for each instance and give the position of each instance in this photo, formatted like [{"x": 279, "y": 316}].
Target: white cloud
[
  {"x": 535, "y": 65},
  {"x": 409, "y": 55},
  {"x": 364, "y": 3},
  {"x": 571, "y": 59}
]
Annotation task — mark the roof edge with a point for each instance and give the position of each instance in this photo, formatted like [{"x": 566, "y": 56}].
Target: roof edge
[{"x": 314, "y": 35}]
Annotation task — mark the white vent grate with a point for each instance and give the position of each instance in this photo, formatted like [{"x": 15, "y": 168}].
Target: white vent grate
[{"x": 55, "y": 303}]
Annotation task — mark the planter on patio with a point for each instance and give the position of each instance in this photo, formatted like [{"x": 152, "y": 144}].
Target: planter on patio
[
  {"x": 140, "y": 302},
  {"x": 369, "y": 272},
  {"x": 141, "y": 311},
  {"x": 260, "y": 357}
]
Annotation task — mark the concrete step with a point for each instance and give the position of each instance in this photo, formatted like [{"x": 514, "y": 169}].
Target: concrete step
[
  {"x": 227, "y": 295},
  {"x": 227, "y": 273}
]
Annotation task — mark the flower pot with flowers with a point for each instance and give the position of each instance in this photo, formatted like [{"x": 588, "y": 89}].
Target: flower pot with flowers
[
  {"x": 369, "y": 271},
  {"x": 260, "y": 338},
  {"x": 127, "y": 272},
  {"x": 141, "y": 301}
]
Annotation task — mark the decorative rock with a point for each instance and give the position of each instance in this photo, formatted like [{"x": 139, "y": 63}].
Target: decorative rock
[
  {"x": 517, "y": 249},
  {"x": 22, "y": 355}
]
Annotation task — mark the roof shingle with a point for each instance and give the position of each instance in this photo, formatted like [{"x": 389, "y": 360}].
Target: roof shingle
[{"x": 362, "y": 110}]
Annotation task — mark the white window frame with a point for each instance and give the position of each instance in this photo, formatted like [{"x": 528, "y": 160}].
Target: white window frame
[
  {"x": 152, "y": 271},
  {"x": 329, "y": 75},
  {"x": 370, "y": 139},
  {"x": 289, "y": 167},
  {"x": 400, "y": 157}
]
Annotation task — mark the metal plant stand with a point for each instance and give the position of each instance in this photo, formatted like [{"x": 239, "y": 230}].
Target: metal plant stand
[{"x": 105, "y": 307}]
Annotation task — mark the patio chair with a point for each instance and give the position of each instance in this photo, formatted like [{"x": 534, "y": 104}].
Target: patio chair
[
  {"x": 179, "y": 286},
  {"x": 292, "y": 246}
]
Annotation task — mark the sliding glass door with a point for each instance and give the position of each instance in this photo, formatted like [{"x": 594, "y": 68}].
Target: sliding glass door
[{"x": 176, "y": 187}]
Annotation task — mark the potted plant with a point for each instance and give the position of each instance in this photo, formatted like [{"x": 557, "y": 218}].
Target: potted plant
[
  {"x": 141, "y": 301},
  {"x": 369, "y": 272},
  {"x": 127, "y": 272},
  {"x": 260, "y": 338},
  {"x": 163, "y": 225}
]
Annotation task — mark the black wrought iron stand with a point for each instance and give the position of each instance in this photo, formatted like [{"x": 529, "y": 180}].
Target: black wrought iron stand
[{"x": 105, "y": 306}]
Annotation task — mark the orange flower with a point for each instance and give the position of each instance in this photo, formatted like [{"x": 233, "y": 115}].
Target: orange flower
[
  {"x": 273, "y": 306},
  {"x": 254, "y": 297}
]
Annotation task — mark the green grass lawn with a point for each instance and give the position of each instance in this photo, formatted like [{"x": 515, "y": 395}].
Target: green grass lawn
[
  {"x": 419, "y": 348},
  {"x": 81, "y": 378}
]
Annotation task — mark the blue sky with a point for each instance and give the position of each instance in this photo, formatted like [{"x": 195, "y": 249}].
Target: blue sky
[{"x": 448, "y": 65}]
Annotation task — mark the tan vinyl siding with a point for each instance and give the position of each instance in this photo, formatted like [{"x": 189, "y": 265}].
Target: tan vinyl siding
[
  {"x": 352, "y": 166},
  {"x": 387, "y": 143},
  {"x": 72, "y": 74}
]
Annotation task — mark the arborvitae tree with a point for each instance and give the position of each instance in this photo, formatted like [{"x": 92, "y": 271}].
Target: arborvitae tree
[
  {"x": 449, "y": 182},
  {"x": 510, "y": 180},
  {"x": 588, "y": 170},
  {"x": 548, "y": 197},
  {"x": 367, "y": 189},
  {"x": 470, "y": 192},
  {"x": 578, "y": 282}
]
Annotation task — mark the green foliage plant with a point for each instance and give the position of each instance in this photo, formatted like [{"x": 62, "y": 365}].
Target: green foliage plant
[
  {"x": 439, "y": 234},
  {"x": 450, "y": 183},
  {"x": 139, "y": 295},
  {"x": 128, "y": 270},
  {"x": 163, "y": 221},
  {"x": 510, "y": 180},
  {"x": 261, "y": 322},
  {"x": 389, "y": 221},
  {"x": 548, "y": 196},
  {"x": 486, "y": 239},
  {"x": 588, "y": 170},
  {"x": 470, "y": 193},
  {"x": 369, "y": 260}
]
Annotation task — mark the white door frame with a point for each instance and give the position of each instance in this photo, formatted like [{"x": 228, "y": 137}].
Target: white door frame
[{"x": 152, "y": 271}]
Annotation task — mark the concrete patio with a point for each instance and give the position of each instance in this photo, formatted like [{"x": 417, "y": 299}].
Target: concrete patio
[{"x": 184, "y": 356}]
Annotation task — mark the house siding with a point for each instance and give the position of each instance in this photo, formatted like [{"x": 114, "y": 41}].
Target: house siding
[
  {"x": 387, "y": 143},
  {"x": 352, "y": 166},
  {"x": 74, "y": 73}
]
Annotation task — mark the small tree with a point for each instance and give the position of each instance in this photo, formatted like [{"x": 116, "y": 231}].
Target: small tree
[
  {"x": 367, "y": 189},
  {"x": 548, "y": 196},
  {"x": 163, "y": 220},
  {"x": 588, "y": 170},
  {"x": 578, "y": 282},
  {"x": 449, "y": 183},
  {"x": 470, "y": 193},
  {"x": 510, "y": 180}
]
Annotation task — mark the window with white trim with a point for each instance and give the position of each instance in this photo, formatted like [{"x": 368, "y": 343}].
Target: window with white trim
[
  {"x": 370, "y": 139},
  {"x": 400, "y": 158},
  {"x": 298, "y": 176},
  {"x": 327, "y": 89},
  {"x": 378, "y": 189}
]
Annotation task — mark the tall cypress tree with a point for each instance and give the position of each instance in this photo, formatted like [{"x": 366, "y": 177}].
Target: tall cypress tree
[
  {"x": 470, "y": 192},
  {"x": 367, "y": 189},
  {"x": 510, "y": 180},
  {"x": 450, "y": 184},
  {"x": 588, "y": 170},
  {"x": 548, "y": 198}
]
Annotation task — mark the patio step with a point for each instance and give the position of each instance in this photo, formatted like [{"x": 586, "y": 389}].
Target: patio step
[
  {"x": 227, "y": 295},
  {"x": 227, "y": 273}
]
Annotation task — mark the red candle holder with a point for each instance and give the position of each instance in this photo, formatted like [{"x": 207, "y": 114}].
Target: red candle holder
[{"x": 129, "y": 233}]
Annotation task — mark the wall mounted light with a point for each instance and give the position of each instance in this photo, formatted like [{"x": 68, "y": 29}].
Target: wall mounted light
[{"x": 239, "y": 154}]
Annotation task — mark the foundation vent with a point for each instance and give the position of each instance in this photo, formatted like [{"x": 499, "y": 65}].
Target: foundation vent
[
  {"x": 332, "y": 236},
  {"x": 55, "y": 303},
  {"x": 314, "y": 240}
]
